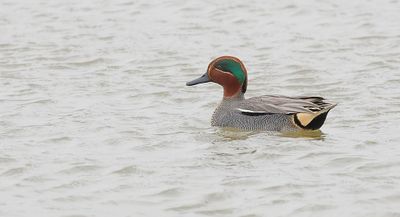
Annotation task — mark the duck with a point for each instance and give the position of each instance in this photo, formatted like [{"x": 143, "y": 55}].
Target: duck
[{"x": 261, "y": 113}]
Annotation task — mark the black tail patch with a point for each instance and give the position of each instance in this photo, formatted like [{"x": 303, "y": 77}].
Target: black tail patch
[{"x": 315, "y": 124}]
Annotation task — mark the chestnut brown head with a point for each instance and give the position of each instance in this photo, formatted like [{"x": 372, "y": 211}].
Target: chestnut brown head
[{"x": 227, "y": 71}]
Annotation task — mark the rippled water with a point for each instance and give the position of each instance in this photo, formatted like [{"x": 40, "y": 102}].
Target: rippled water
[{"x": 96, "y": 120}]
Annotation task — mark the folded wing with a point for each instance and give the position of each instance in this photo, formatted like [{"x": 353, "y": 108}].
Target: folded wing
[{"x": 309, "y": 112}]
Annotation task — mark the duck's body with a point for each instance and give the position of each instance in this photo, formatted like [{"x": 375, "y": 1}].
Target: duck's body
[
  {"x": 271, "y": 113},
  {"x": 268, "y": 112}
]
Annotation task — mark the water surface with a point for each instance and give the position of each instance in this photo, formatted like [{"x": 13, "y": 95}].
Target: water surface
[{"x": 96, "y": 120}]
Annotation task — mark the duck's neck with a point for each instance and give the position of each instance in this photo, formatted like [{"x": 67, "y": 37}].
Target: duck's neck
[
  {"x": 231, "y": 91},
  {"x": 237, "y": 96}
]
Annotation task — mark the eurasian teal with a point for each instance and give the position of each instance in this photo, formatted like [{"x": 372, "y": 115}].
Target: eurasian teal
[{"x": 267, "y": 112}]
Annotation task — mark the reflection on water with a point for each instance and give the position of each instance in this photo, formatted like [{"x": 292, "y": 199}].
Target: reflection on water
[
  {"x": 237, "y": 134},
  {"x": 96, "y": 120},
  {"x": 234, "y": 134},
  {"x": 312, "y": 134}
]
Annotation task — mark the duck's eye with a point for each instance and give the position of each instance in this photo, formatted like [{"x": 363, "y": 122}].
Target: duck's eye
[{"x": 219, "y": 67}]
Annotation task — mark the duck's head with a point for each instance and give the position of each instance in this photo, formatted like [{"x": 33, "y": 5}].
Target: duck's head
[{"x": 227, "y": 71}]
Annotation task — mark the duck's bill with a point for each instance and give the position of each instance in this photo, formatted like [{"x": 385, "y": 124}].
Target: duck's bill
[{"x": 203, "y": 79}]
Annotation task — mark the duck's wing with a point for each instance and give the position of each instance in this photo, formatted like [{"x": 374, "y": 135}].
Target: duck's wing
[
  {"x": 273, "y": 104},
  {"x": 308, "y": 112}
]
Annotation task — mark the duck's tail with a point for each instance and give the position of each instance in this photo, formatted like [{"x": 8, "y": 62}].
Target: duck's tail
[{"x": 312, "y": 120}]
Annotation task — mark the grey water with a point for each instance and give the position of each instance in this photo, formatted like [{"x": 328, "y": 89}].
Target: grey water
[{"x": 96, "y": 120}]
